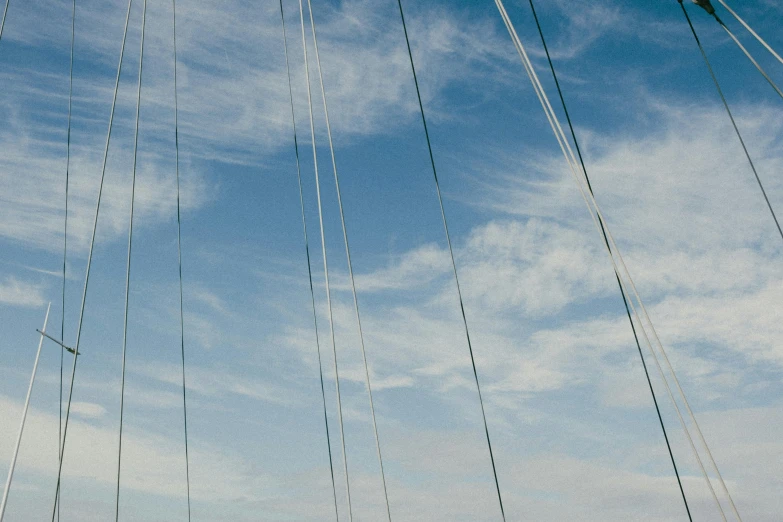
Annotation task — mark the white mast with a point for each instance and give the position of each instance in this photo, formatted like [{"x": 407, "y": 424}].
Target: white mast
[{"x": 24, "y": 417}]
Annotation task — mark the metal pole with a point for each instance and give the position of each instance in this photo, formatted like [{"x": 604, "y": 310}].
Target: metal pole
[{"x": 24, "y": 417}]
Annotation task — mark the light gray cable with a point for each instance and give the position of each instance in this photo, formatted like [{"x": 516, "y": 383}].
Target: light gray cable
[
  {"x": 130, "y": 248},
  {"x": 89, "y": 263},
  {"x": 751, "y": 31},
  {"x": 593, "y": 205},
  {"x": 750, "y": 57},
  {"x": 309, "y": 262},
  {"x": 326, "y": 264},
  {"x": 350, "y": 264}
]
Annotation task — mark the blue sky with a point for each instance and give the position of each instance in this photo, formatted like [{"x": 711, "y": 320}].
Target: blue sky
[{"x": 573, "y": 427}]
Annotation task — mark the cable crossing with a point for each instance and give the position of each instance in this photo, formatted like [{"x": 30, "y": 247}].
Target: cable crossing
[
  {"x": 65, "y": 235},
  {"x": 453, "y": 262},
  {"x": 350, "y": 264},
  {"x": 309, "y": 263},
  {"x": 617, "y": 275},
  {"x": 707, "y": 6},
  {"x": 728, "y": 111},
  {"x": 597, "y": 216},
  {"x": 326, "y": 264},
  {"x": 89, "y": 264},
  {"x": 130, "y": 248}
]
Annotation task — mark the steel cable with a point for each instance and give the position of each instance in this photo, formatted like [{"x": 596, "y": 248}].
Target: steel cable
[
  {"x": 89, "y": 264},
  {"x": 309, "y": 263}
]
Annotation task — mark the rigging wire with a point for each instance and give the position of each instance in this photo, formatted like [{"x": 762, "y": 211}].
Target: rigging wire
[
  {"x": 750, "y": 57},
  {"x": 617, "y": 275},
  {"x": 89, "y": 264},
  {"x": 597, "y": 217},
  {"x": 65, "y": 234},
  {"x": 453, "y": 262},
  {"x": 127, "y": 271},
  {"x": 179, "y": 253},
  {"x": 751, "y": 31},
  {"x": 350, "y": 264},
  {"x": 2, "y": 22},
  {"x": 326, "y": 264},
  {"x": 10, "y": 478},
  {"x": 309, "y": 263},
  {"x": 731, "y": 117}
]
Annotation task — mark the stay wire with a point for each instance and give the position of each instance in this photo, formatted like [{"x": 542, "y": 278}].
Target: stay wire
[
  {"x": 65, "y": 234},
  {"x": 751, "y": 31},
  {"x": 617, "y": 275},
  {"x": 750, "y": 56},
  {"x": 2, "y": 22},
  {"x": 309, "y": 262},
  {"x": 179, "y": 254},
  {"x": 731, "y": 117},
  {"x": 130, "y": 248},
  {"x": 596, "y": 215},
  {"x": 89, "y": 264},
  {"x": 453, "y": 262},
  {"x": 326, "y": 264},
  {"x": 350, "y": 265}
]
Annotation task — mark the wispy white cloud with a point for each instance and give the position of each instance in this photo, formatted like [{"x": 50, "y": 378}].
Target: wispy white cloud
[{"x": 14, "y": 292}]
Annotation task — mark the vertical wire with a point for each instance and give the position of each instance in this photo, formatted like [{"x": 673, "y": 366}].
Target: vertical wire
[
  {"x": 617, "y": 275},
  {"x": 453, "y": 262},
  {"x": 89, "y": 264},
  {"x": 65, "y": 235},
  {"x": 326, "y": 265},
  {"x": 179, "y": 254},
  {"x": 309, "y": 263},
  {"x": 350, "y": 265},
  {"x": 127, "y": 271},
  {"x": 731, "y": 117}
]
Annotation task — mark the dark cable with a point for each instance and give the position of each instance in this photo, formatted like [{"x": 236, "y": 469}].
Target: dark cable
[
  {"x": 453, "y": 262},
  {"x": 309, "y": 263},
  {"x": 89, "y": 265},
  {"x": 127, "y": 271},
  {"x": 2, "y": 22},
  {"x": 179, "y": 256},
  {"x": 65, "y": 234},
  {"x": 617, "y": 276},
  {"x": 731, "y": 117}
]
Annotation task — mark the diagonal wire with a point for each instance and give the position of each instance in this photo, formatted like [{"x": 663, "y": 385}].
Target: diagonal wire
[
  {"x": 326, "y": 265},
  {"x": 597, "y": 215},
  {"x": 453, "y": 262},
  {"x": 617, "y": 275},
  {"x": 750, "y": 57},
  {"x": 309, "y": 263},
  {"x": 2, "y": 22},
  {"x": 179, "y": 254},
  {"x": 350, "y": 266},
  {"x": 89, "y": 263},
  {"x": 65, "y": 234},
  {"x": 731, "y": 117},
  {"x": 751, "y": 31},
  {"x": 127, "y": 271}
]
